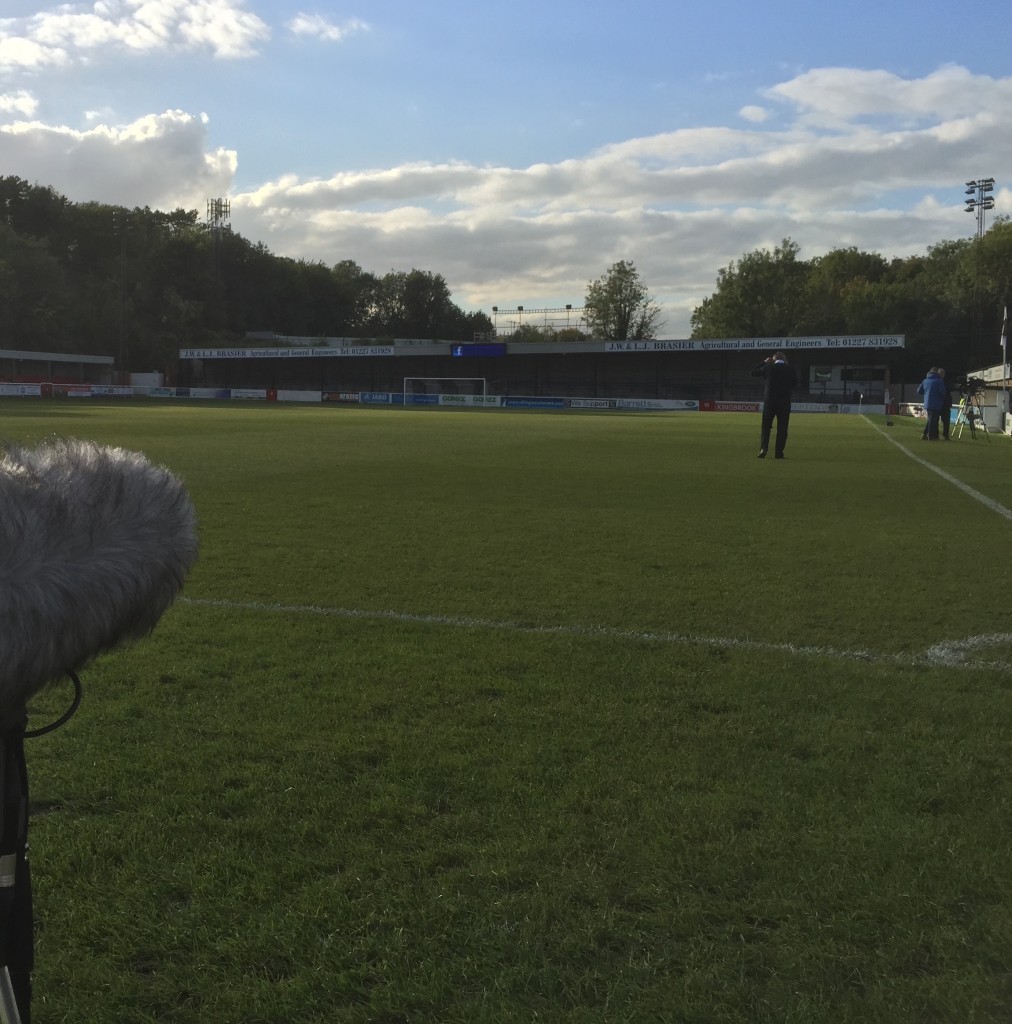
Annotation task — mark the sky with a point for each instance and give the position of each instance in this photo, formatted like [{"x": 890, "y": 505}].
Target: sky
[{"x": 521, "y": 149}]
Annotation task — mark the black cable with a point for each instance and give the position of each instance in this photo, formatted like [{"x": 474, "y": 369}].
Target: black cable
[{"x": 65, "y": 717}]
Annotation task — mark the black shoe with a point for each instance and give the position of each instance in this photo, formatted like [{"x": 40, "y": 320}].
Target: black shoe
[
  {"x": 779, "y": 455},
  {"x": 762, "y": 453}
]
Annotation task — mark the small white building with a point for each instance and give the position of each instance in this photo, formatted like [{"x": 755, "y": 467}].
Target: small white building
[{"x": 994, "y": 402}]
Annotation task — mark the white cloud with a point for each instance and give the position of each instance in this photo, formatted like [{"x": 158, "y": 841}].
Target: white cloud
[
  {"x": 858, "y": 163},
  {"x": 162, "y": 160},
  {"x": 20, "y": 102},
  {"x": 223, "y": 27},
  {"x": 754, "y": 114},
  {"x": 680, "y": 204},
  {"x": 72, "y": 32},
  {"x": 105, "y": 114},
  {"x": 18, "y": 52},
  {"x": 839, "y": 96},
  {"x": 318, "y": 27}
]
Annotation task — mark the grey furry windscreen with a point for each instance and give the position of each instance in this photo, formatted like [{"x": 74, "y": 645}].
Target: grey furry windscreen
[{"x": 95, "y": 544}]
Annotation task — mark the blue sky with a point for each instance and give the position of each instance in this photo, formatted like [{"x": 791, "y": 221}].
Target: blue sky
[{"x": 519, "y": 149}]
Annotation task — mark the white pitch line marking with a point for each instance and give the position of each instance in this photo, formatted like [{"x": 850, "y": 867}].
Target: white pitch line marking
[
  {"x": 955, "y": 654},
  {"x": 990, "y": 503}
]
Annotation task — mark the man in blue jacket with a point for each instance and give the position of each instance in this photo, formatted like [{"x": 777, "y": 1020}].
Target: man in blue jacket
[
  {"x": 780, "y": 382},
  {"x": 933, "y": 390}
]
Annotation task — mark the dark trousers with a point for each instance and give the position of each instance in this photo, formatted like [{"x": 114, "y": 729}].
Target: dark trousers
[{"x": 781, "y": 412}]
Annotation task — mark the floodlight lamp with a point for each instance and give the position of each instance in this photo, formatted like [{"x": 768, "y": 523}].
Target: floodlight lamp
[{"x": 970, "y": 191}]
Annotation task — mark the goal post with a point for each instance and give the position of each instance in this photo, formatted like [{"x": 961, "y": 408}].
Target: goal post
[{"x": 432, "y": 388}]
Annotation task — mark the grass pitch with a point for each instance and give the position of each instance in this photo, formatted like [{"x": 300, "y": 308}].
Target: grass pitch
[{"x": 508, "y": 718}]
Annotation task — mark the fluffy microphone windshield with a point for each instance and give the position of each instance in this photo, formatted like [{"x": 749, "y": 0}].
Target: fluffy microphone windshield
[{"x": 95, "y": 544}]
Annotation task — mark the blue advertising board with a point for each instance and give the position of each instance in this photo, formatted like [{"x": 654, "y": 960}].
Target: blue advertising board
[{"x": 479, "y": 349}]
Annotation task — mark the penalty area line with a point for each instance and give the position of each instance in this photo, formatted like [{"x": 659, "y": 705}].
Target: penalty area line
[{"x": 959, "y": 654}]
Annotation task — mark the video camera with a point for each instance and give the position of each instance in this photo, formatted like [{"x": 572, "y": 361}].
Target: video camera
[{"x": 971, "y": 385}]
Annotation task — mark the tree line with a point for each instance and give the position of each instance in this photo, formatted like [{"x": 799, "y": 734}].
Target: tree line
[
  {"x": 141, "y": 283},
  {"x": 949, "y": 303}
]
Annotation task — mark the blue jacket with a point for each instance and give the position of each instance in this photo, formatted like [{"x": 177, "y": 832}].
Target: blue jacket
[{"x": 933, "y": 391}]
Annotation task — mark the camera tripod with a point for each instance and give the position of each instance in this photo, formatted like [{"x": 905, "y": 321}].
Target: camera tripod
[{"x": 969, "y": 413}]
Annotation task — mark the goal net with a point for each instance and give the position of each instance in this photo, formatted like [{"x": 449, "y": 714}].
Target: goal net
[{"x": 428, "y": 390}]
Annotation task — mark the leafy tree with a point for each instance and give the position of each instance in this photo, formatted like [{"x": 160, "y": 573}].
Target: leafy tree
[
  {"x": 33, "y": 295},
  {"x": 948, "y": 303},
  {"x": 618, "y": 306},
  {"x": 476, "y": 324},
  {"x": 994, "y": 285},
  {"x": 831, "y": 283},
  {"x": 83, "y": 277},
  {"x": 418, "y": 305},
  {"x": 569, "y": 334},
  {"x": 759, "y": 295},
  {"x": 353, "y": 287},
  {"x": 34, "y": 210},
  {"x": 534, "y": 333}
]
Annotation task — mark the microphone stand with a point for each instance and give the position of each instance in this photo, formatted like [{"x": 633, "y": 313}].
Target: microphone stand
[
  {"x": 124, "y": 532},
  {"x": 17, "y": 943},
  {"x": 16, "y": 940}
]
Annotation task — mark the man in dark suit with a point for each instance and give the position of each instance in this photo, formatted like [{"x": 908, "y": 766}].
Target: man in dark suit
[
  {"x": 945, "y": 416},
  {"x": 780, "y": 382}
]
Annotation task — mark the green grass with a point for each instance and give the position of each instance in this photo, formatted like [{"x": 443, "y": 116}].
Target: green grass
[{"x": 490, "y": 717}]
